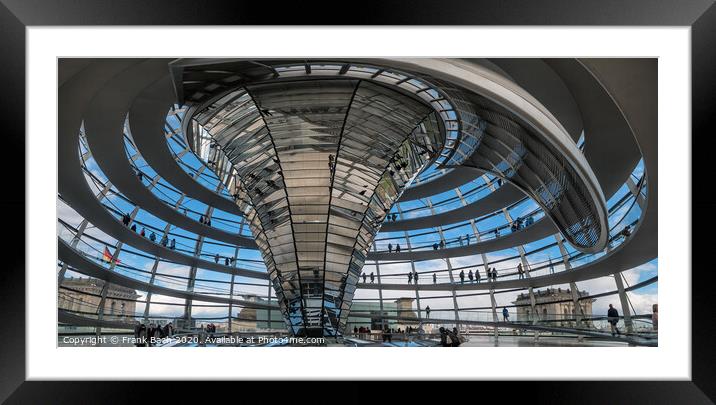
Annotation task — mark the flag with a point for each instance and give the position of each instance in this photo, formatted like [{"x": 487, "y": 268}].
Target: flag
[{"x": 107, "y": 257}]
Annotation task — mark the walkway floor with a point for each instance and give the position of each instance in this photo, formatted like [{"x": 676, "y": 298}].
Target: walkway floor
[{"x": 529, "y": 341}]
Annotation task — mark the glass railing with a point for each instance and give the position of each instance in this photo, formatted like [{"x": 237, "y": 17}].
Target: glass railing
[
  {"x": 641, "y": 325},
  {"x": 625, "y": 213},
  {"x": 431, "y": 240},
  {"x": 196, "y": 210},
  {"x": 94, "y": 249},
  {"x": 228, "y": 222},
  {"x": 183, "y": 240},
  {"x": 478, "y": 190},
  {"x": 188, "y": 160},
  {"x": 176, "y": 238},
  {"x": 171, "y": 196},
  {"x": 430, "y": 174}
]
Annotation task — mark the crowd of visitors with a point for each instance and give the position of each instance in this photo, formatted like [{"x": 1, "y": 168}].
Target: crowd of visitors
[
  {"x": 165, "y": 241},
  {"x": 450, "y": 338},
  {"x": 461, "y": 240},
  {"x": 228, "y": 261},
  {"x": 372, "y": 277},
  {"x": 387, "y": 334},
  {"x": 413, "y": 275},
  {"x": 625, "y": 232},
  {"x": 362, "y": 332},
  {"x": 205, "y": 220},
  {"x": 519, "y": 223},
  {"x": 391, "y": 217},
  {"x": 471, "y": 276},
  {"x": 143, "y": 333}
]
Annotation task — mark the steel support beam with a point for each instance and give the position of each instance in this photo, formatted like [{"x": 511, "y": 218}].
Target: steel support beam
[
  {"x": 626, "y": 311},
  {"x": 380, "y": 291}
]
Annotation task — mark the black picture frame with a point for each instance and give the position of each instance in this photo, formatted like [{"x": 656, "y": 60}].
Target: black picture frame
[{"x": 16, "y": 15}]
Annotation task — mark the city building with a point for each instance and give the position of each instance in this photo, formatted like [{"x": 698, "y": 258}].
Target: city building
[
  {"x": 363, "y": 314},
  {"x": 555, "y": 305},
  {"x": 85, "y": 295}
]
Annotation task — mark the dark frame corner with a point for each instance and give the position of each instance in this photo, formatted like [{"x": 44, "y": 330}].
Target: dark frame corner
[{"x": 16, "y": 15}]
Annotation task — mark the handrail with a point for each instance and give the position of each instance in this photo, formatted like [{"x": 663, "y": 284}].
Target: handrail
[
  {"x": 96, "y": 255},
  {"x": 635, "y": 338},
  {"x": 100, "y": 184}
]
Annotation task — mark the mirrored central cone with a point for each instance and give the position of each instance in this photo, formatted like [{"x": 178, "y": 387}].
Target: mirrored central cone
[{"x": 319, "y": 163}]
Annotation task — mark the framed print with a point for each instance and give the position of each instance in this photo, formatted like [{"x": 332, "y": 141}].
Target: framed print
[{"x": 465, "y": 192}]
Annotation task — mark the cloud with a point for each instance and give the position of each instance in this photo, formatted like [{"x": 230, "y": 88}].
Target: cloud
[
  {"x": 640, "y": 301},
  {"x": 207, "y": 312},
  {"x": 156, "y": 309}
]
